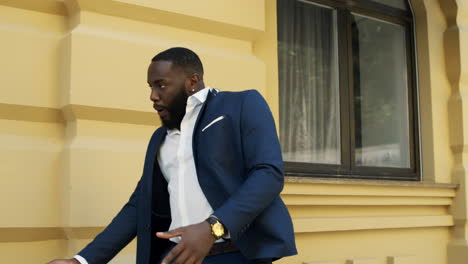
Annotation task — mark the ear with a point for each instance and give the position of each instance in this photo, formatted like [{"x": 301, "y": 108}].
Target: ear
[
  {"x": 192, "y": 82},
  {"x": 195, "y": 79}
]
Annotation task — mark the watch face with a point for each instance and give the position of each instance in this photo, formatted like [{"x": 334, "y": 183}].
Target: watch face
[{"x": 218, "y": 229}]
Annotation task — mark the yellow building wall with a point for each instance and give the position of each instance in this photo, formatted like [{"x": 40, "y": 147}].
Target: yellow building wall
[{"x": 75, "y": 120}]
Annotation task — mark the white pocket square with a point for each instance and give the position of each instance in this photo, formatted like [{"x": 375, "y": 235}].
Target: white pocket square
[{"x": 212, "y": 122}]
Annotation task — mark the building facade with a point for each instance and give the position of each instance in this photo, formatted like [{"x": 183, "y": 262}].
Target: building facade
[{"x": 75, "y": 117}]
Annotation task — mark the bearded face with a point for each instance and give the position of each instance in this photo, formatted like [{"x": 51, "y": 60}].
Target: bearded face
[{"x": 168, "y": 92}]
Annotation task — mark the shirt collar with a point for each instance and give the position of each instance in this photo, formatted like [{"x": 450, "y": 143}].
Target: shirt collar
[
  {"x": 174, "y": 131},
  {"x": 199, "y": 97}
]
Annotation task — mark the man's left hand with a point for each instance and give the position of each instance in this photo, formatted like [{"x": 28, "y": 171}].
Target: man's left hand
[{"x": 196, "y": 241}]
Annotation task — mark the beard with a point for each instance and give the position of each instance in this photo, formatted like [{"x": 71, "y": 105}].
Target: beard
[{"x": 176, "y": 111}]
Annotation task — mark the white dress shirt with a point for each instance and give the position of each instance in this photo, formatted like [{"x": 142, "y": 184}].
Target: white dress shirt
[
  {"x": 187, "y": 200},
  {"x": 188, "y": 203}
]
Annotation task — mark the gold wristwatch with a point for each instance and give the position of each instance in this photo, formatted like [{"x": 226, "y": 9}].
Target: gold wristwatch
[{"x": 217, "y": 229}]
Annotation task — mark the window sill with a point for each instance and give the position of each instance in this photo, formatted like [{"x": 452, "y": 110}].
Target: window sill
[{"x": 334, "y": 181}]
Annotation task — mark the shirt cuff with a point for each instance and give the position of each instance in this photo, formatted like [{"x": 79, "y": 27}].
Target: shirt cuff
[{"x": 80, "y": 259}]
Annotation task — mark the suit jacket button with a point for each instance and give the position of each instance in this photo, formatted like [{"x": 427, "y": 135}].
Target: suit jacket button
[{"x": 148, "y": 227}]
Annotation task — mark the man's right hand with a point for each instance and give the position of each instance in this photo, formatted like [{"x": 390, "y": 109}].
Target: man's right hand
[{"x": 64, "y": 261}]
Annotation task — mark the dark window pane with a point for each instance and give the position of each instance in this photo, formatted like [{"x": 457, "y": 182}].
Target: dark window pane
[
  {"x": 308, "y": 82},
  {"x": 400, "y": 4},
  {"x": 380, "y": 93}
]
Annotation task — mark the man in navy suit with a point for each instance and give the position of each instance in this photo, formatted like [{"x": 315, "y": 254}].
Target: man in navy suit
[{"x": 212, "y": 177}]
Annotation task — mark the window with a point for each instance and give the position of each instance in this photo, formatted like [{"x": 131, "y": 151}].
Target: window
[{"x": 347, "y": 86}]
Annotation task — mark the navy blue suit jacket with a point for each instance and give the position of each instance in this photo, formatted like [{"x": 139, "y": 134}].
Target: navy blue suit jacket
[{"x": 240, "y": 170}]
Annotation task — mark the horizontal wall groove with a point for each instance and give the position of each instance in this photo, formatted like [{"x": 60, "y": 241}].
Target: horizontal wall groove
[
  {"x": 369, "y": 194},
  {"x": 365, "y": 200},
  {"x": 30, "y": 113},
  {"x": 154, "y": 15},
  {"x": 354, "y": 223},
  {"x": 73, "y": 112},
  {"x": 30, "y": 234}
]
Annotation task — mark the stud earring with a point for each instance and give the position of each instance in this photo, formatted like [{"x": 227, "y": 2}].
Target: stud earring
[{"x": 193, "y": 90}]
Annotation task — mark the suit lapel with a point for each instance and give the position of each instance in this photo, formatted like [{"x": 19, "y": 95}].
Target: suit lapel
[
  {"x": 160, "y": 194},
  {"x": 151, "y": 163},
  {"x": 211, "y": 94},
  {"x": 153, "y": 148}
]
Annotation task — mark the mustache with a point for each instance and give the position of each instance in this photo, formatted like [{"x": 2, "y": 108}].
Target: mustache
[{"x": 159, "y": 107}]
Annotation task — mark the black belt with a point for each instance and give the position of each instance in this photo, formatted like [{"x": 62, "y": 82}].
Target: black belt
[{"x": 220, "y": 248}]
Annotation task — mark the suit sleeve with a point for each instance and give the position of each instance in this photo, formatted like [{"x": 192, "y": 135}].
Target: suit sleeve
[
  {"x": 263, "y": 164},
  {"x": 116, "y": 235}
]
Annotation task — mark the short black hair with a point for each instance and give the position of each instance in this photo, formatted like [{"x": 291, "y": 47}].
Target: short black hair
[{"x": 183, "y": 58}]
